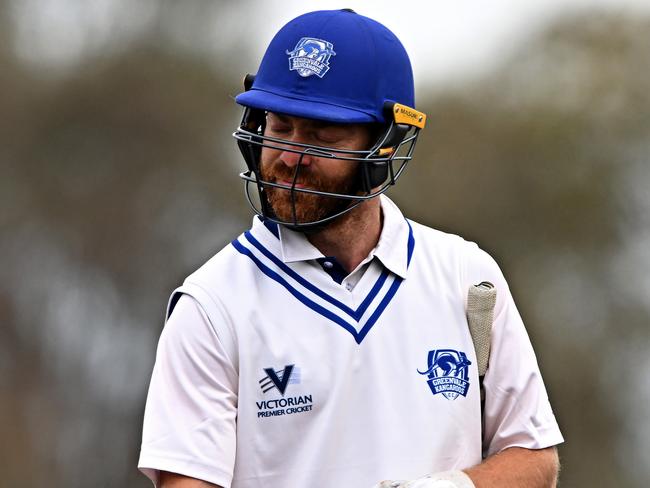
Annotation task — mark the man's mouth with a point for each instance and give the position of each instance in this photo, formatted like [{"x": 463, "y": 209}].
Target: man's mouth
[{"x": 290, "y": 184}]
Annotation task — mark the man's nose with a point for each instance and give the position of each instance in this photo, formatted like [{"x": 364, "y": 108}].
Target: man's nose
[{"x": 290, "y": 157}]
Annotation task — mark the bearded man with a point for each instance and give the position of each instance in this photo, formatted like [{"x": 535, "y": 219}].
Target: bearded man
[{"x": 329, "y": 345}]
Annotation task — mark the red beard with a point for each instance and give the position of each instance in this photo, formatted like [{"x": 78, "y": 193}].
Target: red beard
[{"x": 308, "y": 206}]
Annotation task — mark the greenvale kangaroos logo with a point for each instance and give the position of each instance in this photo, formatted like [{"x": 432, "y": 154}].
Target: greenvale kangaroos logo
[{"x": 447, "y": 373}]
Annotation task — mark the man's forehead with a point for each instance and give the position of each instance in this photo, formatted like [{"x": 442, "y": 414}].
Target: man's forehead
[{"x": 290, "y": 119}]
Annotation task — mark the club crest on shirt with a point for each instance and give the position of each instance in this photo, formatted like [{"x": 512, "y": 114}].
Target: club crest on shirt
[
  {"x": 447, "y": 373},
  {"x": 311, "y": 57}
]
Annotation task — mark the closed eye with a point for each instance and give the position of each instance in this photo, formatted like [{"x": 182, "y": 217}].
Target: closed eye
[
  {"x": 330, "y": 135},
  {"x": 278, "y": 129}
]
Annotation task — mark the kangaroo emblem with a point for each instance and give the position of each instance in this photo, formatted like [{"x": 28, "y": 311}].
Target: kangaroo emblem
[{"x": 447, "y": 373}]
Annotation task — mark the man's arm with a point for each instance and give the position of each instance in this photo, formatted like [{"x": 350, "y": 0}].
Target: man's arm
[
  {"x": 517, "y": 467},
  {"x": 173, "y": 480},
  {"x": 191, "y": 407}
]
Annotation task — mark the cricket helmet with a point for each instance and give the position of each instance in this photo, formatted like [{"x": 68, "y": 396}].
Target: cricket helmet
[{"x": 341, "y": 67}]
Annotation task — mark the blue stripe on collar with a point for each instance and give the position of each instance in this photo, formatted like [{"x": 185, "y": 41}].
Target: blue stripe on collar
[
  {"x": 272, "y": 226},
  {"x": 302, "y": 298},
  {"x": 410, "y": 245},
  {"x": 355, "y": 314}
]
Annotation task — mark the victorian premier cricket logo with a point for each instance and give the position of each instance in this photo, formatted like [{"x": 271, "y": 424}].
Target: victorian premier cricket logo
[
  {"x": 447, "y": 373},
  {"x": 311, "y": 57},
  {"x": 277, "y": 381}
]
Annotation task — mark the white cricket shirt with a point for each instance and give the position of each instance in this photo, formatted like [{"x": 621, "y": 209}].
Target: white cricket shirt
[{"x": 274, "y": 371}]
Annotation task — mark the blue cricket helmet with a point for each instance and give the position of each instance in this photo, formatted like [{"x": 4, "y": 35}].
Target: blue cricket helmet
[
  {"x": 341, "y": 67},
  {"x": 333, "y": 65}
]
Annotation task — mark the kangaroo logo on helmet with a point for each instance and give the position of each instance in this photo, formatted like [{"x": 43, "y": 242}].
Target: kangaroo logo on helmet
[{"x": 311, "y": 57}]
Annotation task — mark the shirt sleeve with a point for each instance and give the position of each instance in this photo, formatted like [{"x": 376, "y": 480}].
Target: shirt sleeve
[
  {"x": 190, "y": 415},
  {"x": 517, "y": 409}
]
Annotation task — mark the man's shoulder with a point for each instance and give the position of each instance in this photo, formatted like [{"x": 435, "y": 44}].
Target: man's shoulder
[
  {"x": 217, "y": 264},
  {"x": 234, "y": 260},
  {"x": 436, "y": 239},
  {"x": 450, "y": 247}
]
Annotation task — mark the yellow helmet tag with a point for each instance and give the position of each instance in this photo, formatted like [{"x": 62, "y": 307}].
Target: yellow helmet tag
[{"x": 403, "y": 114}]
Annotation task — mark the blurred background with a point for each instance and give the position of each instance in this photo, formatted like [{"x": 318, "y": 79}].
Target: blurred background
[{"x": 118, "y": 177}]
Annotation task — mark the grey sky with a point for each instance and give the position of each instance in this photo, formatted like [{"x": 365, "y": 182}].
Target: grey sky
[{"x": 446, "y": 40}]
